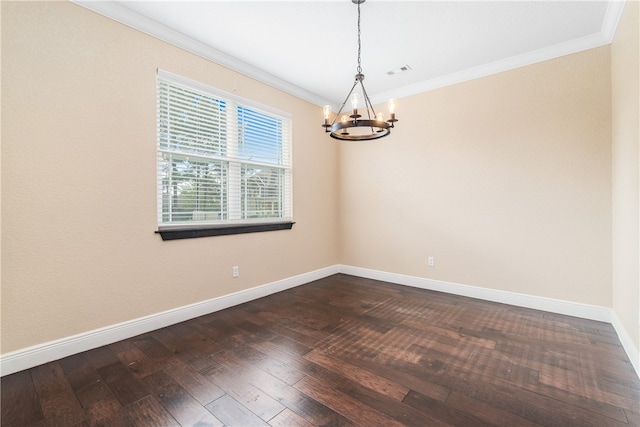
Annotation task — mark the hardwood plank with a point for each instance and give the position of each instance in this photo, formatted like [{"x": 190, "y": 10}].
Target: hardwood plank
[
  {"x": 446, "y": 335},
  {"x": 344, "y": 404},
  {"x": 306, "y": 407},
  {"x": 137, "y": 362},
  {"x": 248, "y": 313},
  {"x": 290, "y": 346},
  {"x": 535, "y": 407},
  {"x": 232, "y": 413},
  {"x": 422, "y": 383},
  {"x": 93, "y": 392},
  {"x": 216, "y": 327},
  {"x": 282, "y": 371},
  {"x": 386, "y": 404},
  {"x": 487, "y": 413},
  {"x": 147, "y": 412},
  {"x": 107, "y": 412},
  {"x": 49, "y": 380},
  {"x": 73, "y": 362},
  {"x": 152, "y": 347},
  {"x": 260, "y": 403},
  {"x": 120, "y": 346},
  {"x": 180, "y": 404},
  {"x": 296, "y": 332},
  {"x": 101, "y": 357},
  {"x": 19, "y": 400},
  {"x": 62, "y": 409},
  {"x": 618, "y": 366},
  {"x": 198, "y": 352},
  {"x": 359, "y": 375},
  {"x": 288, "y": 418},
  {"x": 442, "y": 412},
  {"x": 83, "y": 376},
  {"x": 590, "y": 405},
  {"x": 622, "y": 385},
  {"x": 175, "y": 342},
  {"x": 122, "y": 383},
  {"x": 303, "y": 405},
  {"x": 196, "y": 384},
  {"x": 408, "y": 379}
]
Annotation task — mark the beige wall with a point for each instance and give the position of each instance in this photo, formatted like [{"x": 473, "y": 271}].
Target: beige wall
[
  {"x": 625, "y": 52},
  {"x": 79, "y": 181},
  {"x": 505, "y": 180}
]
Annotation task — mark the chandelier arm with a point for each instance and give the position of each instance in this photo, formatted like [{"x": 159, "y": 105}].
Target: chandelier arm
[
  {"x": 367, "y": 102},
  {"x": 368, "y": 106},
  {"x": 344, "y": 103}
]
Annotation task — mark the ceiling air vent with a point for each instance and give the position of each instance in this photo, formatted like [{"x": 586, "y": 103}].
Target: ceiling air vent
[{"x": 399, "y": 70}]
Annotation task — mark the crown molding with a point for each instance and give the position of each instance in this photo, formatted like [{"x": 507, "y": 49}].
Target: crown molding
[
  {"x": 605, "y": 36},
  {"x": 611, "y": 19},
  {"x": 529, "y": 58},
  {"x": 122, "y": 14}
]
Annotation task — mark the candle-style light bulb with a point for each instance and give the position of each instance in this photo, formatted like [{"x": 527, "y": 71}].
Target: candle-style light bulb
[
  {"x": 380, "y": 117},
  {"x": 392, "y": 108},
  {"x": 345, "y": 119},
  {"x": 327, "y": 112},
  {"x": 355, "y": 100}
]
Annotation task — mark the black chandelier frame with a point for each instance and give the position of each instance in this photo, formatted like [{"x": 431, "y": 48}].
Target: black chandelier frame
[{"x": 379, "y": 128}]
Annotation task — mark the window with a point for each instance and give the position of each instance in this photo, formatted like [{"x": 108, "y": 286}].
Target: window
[{"x": 224, "y": 163}]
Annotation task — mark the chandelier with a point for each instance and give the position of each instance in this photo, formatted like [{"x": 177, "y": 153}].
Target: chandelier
[{"x": 362, "y": 124}]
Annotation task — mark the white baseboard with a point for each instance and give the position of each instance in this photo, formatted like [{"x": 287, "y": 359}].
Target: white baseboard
[
  {"x": 585, "y": 311},
  {"x": 43, "y": 353},
  {"x": 627, "y": 342},
  {"x": 54, "y": 350},
  {"x": 569, "y": 308}
]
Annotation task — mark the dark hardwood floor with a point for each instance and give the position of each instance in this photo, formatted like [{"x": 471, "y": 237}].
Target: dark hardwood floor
[{"x": 342, "y": 351}]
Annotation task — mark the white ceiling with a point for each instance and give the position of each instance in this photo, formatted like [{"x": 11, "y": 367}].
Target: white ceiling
[{"x": 309, "y": 48}]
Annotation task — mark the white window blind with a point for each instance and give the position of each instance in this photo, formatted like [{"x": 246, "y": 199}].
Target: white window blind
[{"x": 222, "y": 160}]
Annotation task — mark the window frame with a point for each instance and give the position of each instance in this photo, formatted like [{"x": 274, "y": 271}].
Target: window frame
[{"x": 231, "y": 221}]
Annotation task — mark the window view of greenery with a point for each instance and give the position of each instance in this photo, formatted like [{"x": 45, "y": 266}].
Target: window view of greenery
[
  {"x": 261, "y": 192},
  {"x": 261, "y": 186},
  {"x": 218, "y": 162},
  {"x": 193, "y": 189}
]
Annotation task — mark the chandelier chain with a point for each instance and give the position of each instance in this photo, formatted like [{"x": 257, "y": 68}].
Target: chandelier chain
[{"x": 359, "y": 43}]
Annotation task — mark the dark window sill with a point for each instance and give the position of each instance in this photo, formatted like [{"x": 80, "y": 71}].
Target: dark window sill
[{"x": 224, "y": 230}]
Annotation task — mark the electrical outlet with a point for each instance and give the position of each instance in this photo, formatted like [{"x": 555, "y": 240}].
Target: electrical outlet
[
  {"x": 431, "y": 261},
  {"x": 236, "y": 271}
]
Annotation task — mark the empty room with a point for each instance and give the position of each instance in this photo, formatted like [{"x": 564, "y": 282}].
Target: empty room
[{"x": 320, "y": 213}]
